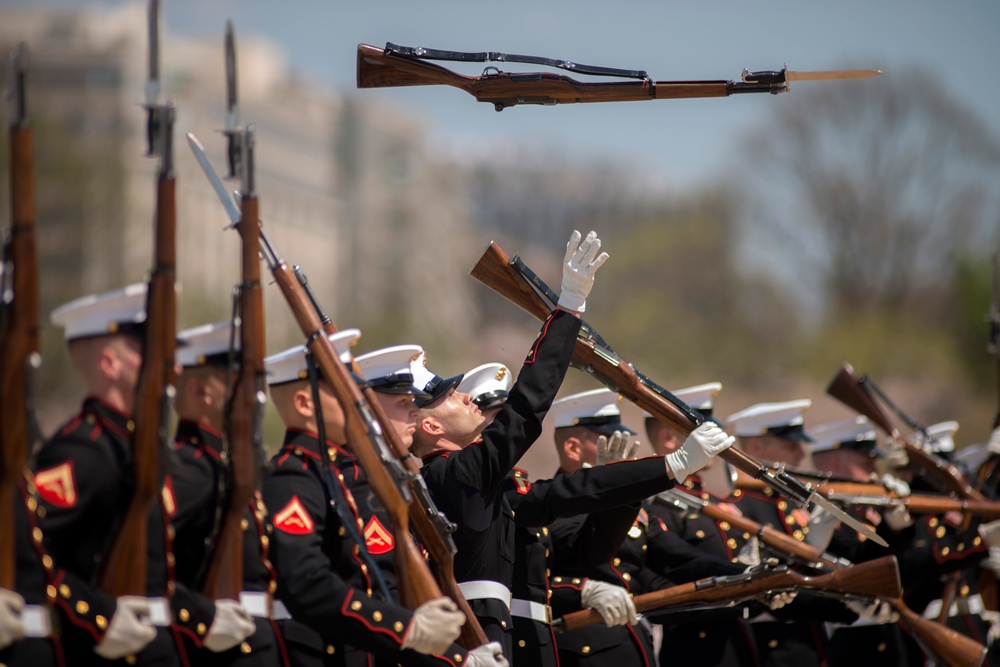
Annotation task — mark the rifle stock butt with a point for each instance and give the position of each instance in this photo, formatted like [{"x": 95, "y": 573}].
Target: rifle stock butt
[
  {"x": 495, "y": 271},
  {"x": 950, "y": 647},
  {"x": 846, "y": 388}
]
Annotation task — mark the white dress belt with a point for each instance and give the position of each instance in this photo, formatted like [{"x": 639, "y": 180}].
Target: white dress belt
[
  {"x": 35, "y": 620},
  {"x": 159, "y": 612},
  {"x": 280, "y": 611},
  {"x": 257, "y": 603},
  {"x": 536, "y": 611},
  {"x": 969, "y": 605},
  {"x": 485, "y": 589}
]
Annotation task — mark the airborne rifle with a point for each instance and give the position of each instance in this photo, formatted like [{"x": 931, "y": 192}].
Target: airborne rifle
[
  {"x": 950, "y": 647},
  {"x": 993, "y": 347},
  {"x": 854, "y": 392},
  {"x": 124, "y": 566},
  {"x": 244, "y": 410},
  {"x": 874, "y": 579},
  {"x": 407, "y": 66},
  {"x": 19, "y": 346},
  {"x": 513, "y": 280}
]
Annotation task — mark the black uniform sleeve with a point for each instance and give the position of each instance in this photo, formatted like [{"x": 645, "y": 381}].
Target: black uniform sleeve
[{"x": 483, "y": 465}]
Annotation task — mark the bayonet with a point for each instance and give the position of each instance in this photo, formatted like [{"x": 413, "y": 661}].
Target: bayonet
[
  {"x": 152, "y": 96},
  {"x": 231, "y": 128},
  {"x": 18, "y": 115},
  {"x": 779, "y": 80}
]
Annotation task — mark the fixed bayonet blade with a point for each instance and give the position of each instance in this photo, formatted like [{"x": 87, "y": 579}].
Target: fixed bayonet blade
[
  {"x": 220, "y": 189},
  {"x": 232, "y": 101},
  {"x": 844, "y": 517},
  {"x": 153, "y": 78},
  {"x": 833, "y": 74},
  {"x": 15, "y": 85}
]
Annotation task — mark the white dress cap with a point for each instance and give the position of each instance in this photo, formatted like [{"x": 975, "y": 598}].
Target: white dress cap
[
  {"x": 596, "y": 409},
  {"x": 488, "y": 385},
  {"x": 205, "y": 345},
  {"x": 432, "y": 384},
  {"x": 104, "y": 314},
  {"x": 290, "y": 365},
  {"x": 387, "y": 370},
  {"x": 783, "y": 420},
  {"x": 942, "y": 436},
  {"x": 856, "y": 433}
]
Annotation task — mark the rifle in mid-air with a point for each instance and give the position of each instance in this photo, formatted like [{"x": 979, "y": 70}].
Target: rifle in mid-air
[
  {"x": 950, "y": 647},
  {"x": 513, "y": 280},
  {"x": 19, "y": 347},
  {"x": 993, "y": 347},
  {"x": 123, "y": 570},
  {"x": 853, "y": 391},
  {"x": 874, "y": 579},
  {"x": 408, "y": 66},
  {"x": 244, "y": 410}
]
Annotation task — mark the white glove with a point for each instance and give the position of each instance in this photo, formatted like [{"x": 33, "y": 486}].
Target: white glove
[
  {"x": 779, "y": 600},
  {"x": 435, "y": 626},
  {"x": 231, "y": 626},
  {"x": 878, "y": 612},
  {"x": 897, "y": 517},
  {"x": 612, "y": 602},
  {"x": 487, "y": 655},
  {"x": 993, "y": 618},
  {"x": 704, "y": 443},
  {"x": 821, "y": 527},
  {"x": 615, "y": 449},
  {"x": 579, "y": 265},
  {"x": 129, "y": 630},
  {"x": 892, "y": 457},
  {"x": 749, "y": 553},
  {"x": 11, "y": 628},
  {"x": 990, "y": 533}
]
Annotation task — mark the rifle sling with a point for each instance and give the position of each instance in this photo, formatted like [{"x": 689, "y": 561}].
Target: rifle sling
[{"x": 495, "y": 56}]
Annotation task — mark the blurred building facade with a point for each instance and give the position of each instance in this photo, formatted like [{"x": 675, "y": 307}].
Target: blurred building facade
[{"x": 349, "y": 190}]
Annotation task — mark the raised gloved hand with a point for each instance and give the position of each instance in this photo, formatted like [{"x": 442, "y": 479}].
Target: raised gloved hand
[
  {"x": 613, "y": 603},
  {"x": 487, "y": 655},
  {"x": 749, "y": 553},
  {"x": 897, "y": 517},
  {"x": 877, "y": 612},
  {"x": 778, "y": 600},
  {"x": 129, "y": 630},
  {"x": 11, "y": 629},
  {"x": 704, "y": 443},
  {"x": 436, "y": 624},
  {"x": 615, "y": 449},
  {"x": 579, "y": 265},
  {"x": 821, "y": 527},
  {"x": 892, "y": 458},
  {"x": 231, "y": 626}
]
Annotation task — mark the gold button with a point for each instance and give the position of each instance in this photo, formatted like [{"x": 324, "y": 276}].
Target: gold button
[
  {"x": 364, "y": 568},
  {"x": 782, "y": 505},
  {"x": 548, "y": 573},
  {"x": 244, "y": 647},
  {"x": 82, "y": 607},
  {"x": 171, "y": 586},
  {"x": 932, "y": 521},
  {"x": 961, "y": 547},
  {"x": 799, "y": 535},
  {"x": 47, "y": 561},
  {"x": 272, "y": 586},
  {"x": 702, "y": 634},
  {"x": 130, "y": 425},
  {"x": 201, "y": 629},
  {"x": 101, "y": 622},
  {"x": 522, "y": 643},
  {"x": 736, "y": 560},
  {"x": 356, "y": 605},
  {"x": 964, "y": 590},
  {"x": 297, "y": 451},
  {"x": 397, "y": 626},
  {"x": 50, "y": 591},
  {"x": 746, "y": 536},
  {"x": 880, "y": 647},
  {"x": 731, "y": 543},
  {"x": 558, "y": 580},
  {"x": 330, "y": 650},
  {"x": 700, "y": 534},
  {"x": 244, "y": 524},
  {"x": 36, "y": 534},
  {"x": 940, "y": 532},
  {"x": 341, "y": 531},
  {"x": 546, "y": 553},
  {"x": 171, "y": 533},
  {"x": 130, "y": 660},
  {"x": 458, "y": 657},
  {"x": 184, "y": 615},
  {"x": 264, "y": 541},
  {"x": 32, "y": 504},
  {"x": 171, "y": 560},
  {"x": 737, "y": 493},
  {"x": 377, "y": 616},
  {"x": 40, "y": 512},
  {"x": 361, "y": 524},
  {"x": 617, "y": 561},
  {"x": 576, "y": 581},
  {"x": 645, "y": 546},
  {"x": 90, "y": 419},
  {"x": 976, "y": 542},
  {"x": 773, "y": 643},
  {"x": 724, "y": 525},
  {"x": 790, "y": 519},
  {"x": 332, "y": 453},
  {"x": 545, "y": 531},
  {"x": 503, "y": 624},
  {"x": 586, "y": 650},
  {"x": 945, "y": 551},
  {"x": 64, "y": 591},
  {"x": 627, "y": 577}
]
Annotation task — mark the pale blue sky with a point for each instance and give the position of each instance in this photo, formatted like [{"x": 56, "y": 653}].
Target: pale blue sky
[{"x": 686, "y": 141}]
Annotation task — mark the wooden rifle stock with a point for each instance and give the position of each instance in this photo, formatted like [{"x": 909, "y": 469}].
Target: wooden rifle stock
[
  {"x": 417, "y": 585},
  {"x": 849, "y": 389},
  {"x": 874, "y": 579},
  {"x": 224, "y": 575},
  {"x": 495, "y": 270},
  {"x": 917, "y": 503},
  {"x": 124, "y": 566},
  {"x": 378, "y": 68},
  {"x": 19, "y": 346},
  {"x": 952, "y": 648}
]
